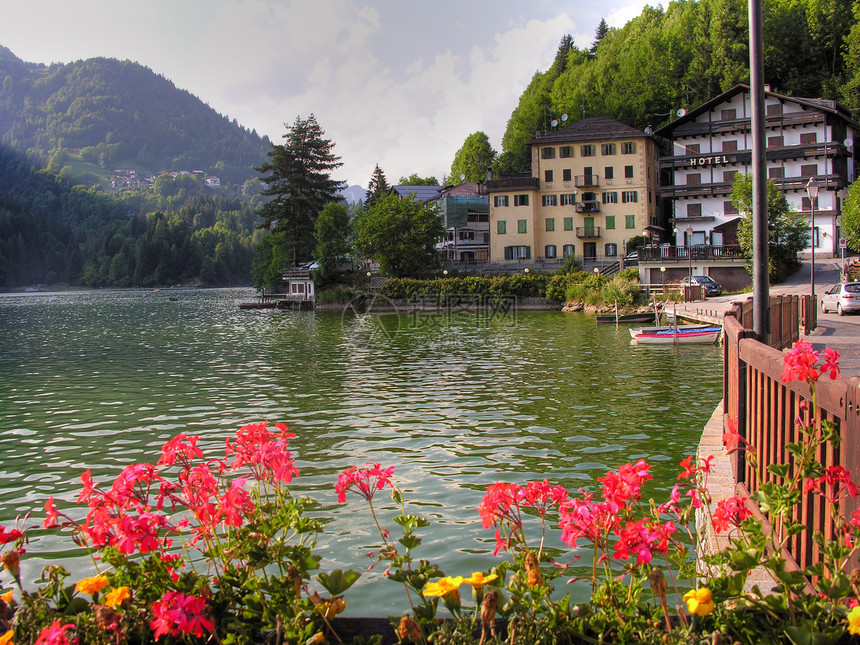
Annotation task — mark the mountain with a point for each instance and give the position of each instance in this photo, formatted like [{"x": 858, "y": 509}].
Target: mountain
[
  {"x": 97, "y": 115},
  {"x": 353, "y": 194}
]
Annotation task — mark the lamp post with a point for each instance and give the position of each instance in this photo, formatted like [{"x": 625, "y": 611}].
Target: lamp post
[
  {"x": 690, "y": 251},
  {"x": 663, "y": 276},
  {"x": 812, "y": 192}
]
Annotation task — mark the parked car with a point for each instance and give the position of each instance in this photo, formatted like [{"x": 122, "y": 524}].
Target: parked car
[
  {"x": 711, "y": 286},
  {"x": 842, "y": 298},
  {"x": 631, "y": 258}
]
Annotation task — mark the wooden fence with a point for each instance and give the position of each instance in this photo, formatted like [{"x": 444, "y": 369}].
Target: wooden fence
[{"x": 765, "y": 410}]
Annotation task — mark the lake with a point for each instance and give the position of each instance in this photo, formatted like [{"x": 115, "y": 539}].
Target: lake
[{"x": 454, "y": 400}]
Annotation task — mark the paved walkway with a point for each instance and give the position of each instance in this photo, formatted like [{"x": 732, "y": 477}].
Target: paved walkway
[{"x": 841, "y": 333}]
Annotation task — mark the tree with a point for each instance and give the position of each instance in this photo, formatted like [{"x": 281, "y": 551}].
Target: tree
[
  {"x": 377, "y": 187},
  {"x": 473, "y": 159},
  {"x": 400, "y": 234},
  {"x": 599, "y": 34},
  {"x": 298, "y": 179},
  {"x": 788, "y": 230},
  {"x": 850, "y": 222},
  {"x": 415, "y": 180},
  {"x": 332, "y": 233}
]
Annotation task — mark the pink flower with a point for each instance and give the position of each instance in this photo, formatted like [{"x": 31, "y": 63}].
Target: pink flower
[
  {"x": 831, "y": 363},
  {"x": 730, "y": 512},
  {"x": 182, "y": 447},
  {"x": 497, "y": 504},
  {"x": 54, "y": 634},
  {"x": 177, "y": 614},
  {"x": 52, "y": 513},
  {"x": 364, "y": 481},
  {"x": 11, "y": 536}
]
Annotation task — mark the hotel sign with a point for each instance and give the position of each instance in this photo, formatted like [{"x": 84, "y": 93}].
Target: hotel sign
[{"x": 712, "y": 160}]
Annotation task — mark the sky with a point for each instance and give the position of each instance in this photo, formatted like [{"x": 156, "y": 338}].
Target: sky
[{"x": 396, "y": 83}]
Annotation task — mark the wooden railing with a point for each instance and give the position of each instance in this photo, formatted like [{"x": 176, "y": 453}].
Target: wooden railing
[{"x": 764, "y": 409}]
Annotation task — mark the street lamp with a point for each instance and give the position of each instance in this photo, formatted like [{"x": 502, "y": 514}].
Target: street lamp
[
  {"x": 663, "y": 276},
  {"x": 812, "y": 192},
  {"x": 690, "y": 251}
]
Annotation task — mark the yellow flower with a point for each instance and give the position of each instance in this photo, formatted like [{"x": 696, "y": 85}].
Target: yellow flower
[
  {"x": 92, "y": 585},
  {"x": 6, "y": 639},
  {"x": 117, "y": 596},
  {"x": 444, "y": 587},
  {"x": 699, "y": 601},
  {"x": 854, "y": 621},
  {"x": 7, "y": 597},
  {"x": 478, "y": 579}
]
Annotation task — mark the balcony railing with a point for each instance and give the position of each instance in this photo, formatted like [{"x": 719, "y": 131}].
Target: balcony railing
[
  {"x": 583, "y": 232},
  {"x": 591, "y": 206},
  {"x": 696, "y": 252},
  {"x": 515, "y": 182},
  {"x": 586, "y": 181}
]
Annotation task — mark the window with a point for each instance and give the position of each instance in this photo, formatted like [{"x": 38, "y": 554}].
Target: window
[
  {"x": 501, "y": 227},
  {"x": 628, "y": 148},
  {"x": 629, "y": 197},
  {"x": 607, "y": 149},
  {"x": 610, "y": 198},
  {"x": 568, "y": 223},
  {"x": 587, "y": 150},
  {"x": 775, "y": 142},
  {"x": 729, "y": 176},
  {"x": 804, "y": 204},
  {"x": 608, "y": 172},
  {"x": 550, "y": 224},
  {"x": 549, "y": 251},
  {"x": 611, "y": 250},
  {"x": 549, "y": 200},
  {"x": 694, "y": 179},
  {"x": 773, "y": 109},
  {"x": 500, "y": 200},
  {"x": 629, "y": 221},
  {"x": 521, "y": 200},
  {"x": 808, "y": 170},
  {"x": 728, "y": 115},
  {"x": 547, "y": 153},
  {"x": 730, "y": 146},
  {"x": 776, "y": 173},
  {"x": 568, "y": 199},
  {"x": 729, "y": 208},
  {"x": 692, "y": 148},
  {"x": 568, "y": 250},
  {"x": 565, "y": 152},
  {"x": 522, "y": 226},
  {"x": 518, "y": 252},
  {"x": 466, "y": 236},
  {"x": 566, "y": 174},
  {"x": 628, "y": 172},
  {"x": 694, "y": 210},
  {"x": 610, "y": 222},
  {"x": 547, "y": 176}
]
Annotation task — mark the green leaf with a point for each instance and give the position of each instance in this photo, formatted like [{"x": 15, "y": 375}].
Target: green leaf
[
  {"x": 410, "y": 541},
  {"x": 338, "y": 581}
]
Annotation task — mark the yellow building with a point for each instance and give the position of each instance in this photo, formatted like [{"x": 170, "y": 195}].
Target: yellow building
[{"x": 592, "y": 187}]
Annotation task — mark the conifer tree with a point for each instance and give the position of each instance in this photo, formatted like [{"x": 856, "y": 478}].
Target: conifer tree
[
  {"x": 298, "y": 178},
  {"x": 599, "y": 34},
  {"x": 377, "y": 187}
]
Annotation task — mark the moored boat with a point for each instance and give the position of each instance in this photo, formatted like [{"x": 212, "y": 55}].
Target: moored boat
[
  {"x": 626, "y": 318},
  {"x": 684, "y": 334}
]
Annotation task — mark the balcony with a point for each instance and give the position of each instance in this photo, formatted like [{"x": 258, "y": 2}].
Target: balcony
[
  {"x": 586, "y": 181},
  {"x": 585, "y": 232},
  {"x": 697, "y": 252},
  {"x": 513, "y": 182},
  {"x": 590, "y": 206}
]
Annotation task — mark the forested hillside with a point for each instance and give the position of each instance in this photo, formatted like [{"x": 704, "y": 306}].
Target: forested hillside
[
  {"x": 684, "y": 55},
  {"x": 113, "y": 114},
  {"x": 52, "y": 231}
]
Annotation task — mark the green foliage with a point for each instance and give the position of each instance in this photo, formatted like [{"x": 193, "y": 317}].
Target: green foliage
[
  {"x": 473, "y": 160},
  {"x": 788, "y": 230},
  {"x": 400, "y": 234},
  {"x": 332, "y": 233},
  {"x": 532, "y": 285},
  {"x": 571, "y": 264},
  {"x": 415, "y": 180},
  {"x": 377, "y": 187},
  {"x": 850, "y": 223}
]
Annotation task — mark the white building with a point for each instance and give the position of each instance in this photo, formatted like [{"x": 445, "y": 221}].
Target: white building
[{"x": 805, "y": 138}]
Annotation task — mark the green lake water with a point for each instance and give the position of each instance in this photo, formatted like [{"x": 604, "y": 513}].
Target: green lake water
[{"x": 455, "y": 401}]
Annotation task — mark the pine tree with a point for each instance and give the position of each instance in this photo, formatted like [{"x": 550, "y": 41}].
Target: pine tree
[
  {"x": 298, "y": 178},
  {"x": 599, "y": 34},
  {"x": 377, "y": 187}
]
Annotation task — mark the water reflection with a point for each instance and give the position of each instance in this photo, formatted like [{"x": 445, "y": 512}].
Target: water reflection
[{"x": 454, "y": 401}]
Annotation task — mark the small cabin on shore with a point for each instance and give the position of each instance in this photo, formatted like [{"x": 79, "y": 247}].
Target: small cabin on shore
[{"x": 300, "y": 288}]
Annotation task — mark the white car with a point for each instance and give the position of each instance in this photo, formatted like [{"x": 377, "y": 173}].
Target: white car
[{"x": 842, "y": 298}]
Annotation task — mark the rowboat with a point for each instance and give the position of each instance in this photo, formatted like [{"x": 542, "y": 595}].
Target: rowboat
[{"x": 682, "y": 334}]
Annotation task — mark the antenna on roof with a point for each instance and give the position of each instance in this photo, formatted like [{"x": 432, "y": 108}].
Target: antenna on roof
[
  {"x": 462, "y": 176},
  {"x": 681, "y": 112},
  {"x": 563, "y": 118},
  {"x": 554, "y": 123}
]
